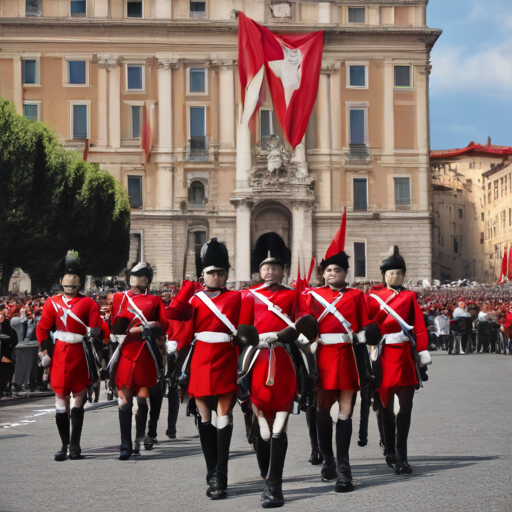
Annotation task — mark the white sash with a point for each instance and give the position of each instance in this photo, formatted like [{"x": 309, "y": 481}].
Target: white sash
[
  {"x": 136, "y": 311},
  {"x": 68, "y": 311},
  {"x": 331, "y": 308},
  {"x": 272, "y": 307},
  {"x": 215, "y": 310},
  {"x": 390, "y": 311}
]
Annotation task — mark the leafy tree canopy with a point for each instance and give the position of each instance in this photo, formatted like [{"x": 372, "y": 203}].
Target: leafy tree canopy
[{"x": 52, "y": 201}]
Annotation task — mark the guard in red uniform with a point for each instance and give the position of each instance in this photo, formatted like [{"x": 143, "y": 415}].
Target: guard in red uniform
[
  {"x": 138, "y": 319},
  {"x": 402, "y": 355},
  {"x": 271, "y": 309},
  {"x": 213, "y": 363},
  {"x": 341, "y": 313},
  {"x": 74, "y": 317}
]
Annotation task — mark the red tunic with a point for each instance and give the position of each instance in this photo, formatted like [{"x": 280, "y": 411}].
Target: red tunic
[
  {"x": 178, "y": 330},
  {"x": 213, "y": 367},
  {"x": 336, "y": 364},
  {"x": 69, "y": 372},
  {"x": 271, "y": 399},
  {"x": 397, "y": 364},
  {"x": 137, "y": 368}
]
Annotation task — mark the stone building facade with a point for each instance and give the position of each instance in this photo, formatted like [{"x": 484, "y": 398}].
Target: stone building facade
[
  {"x": 467, "y": 222},
  {"x": 94, "y": 70}
]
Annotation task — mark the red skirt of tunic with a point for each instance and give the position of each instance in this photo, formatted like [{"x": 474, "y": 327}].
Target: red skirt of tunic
[
  {"x": 397, "y": 369},
  {"x": 276, "y": 398},
  {"x": 213, "y": 369},
  {"x": 136, "y": 368},
  {"x": 337, "y": 367},
  {"x": 69, "y": 372}
]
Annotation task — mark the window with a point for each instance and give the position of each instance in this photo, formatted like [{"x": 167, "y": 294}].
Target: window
[
  {"x": 266, "y": 125},
  {"x": 402, "y": 193},
  {"x": 503, "y": 219},
  {"x": 30, "y": 70},
  {"x": 472, "y": 165},
  {"x": 78, "y": 8},
  {"x": 481, "y": 237},
  {"x": 356, "y": 15},
  {"x": 77, "y": 72},
  {"x": 357, "y": 76},
  {"x": 31, "y": 111},
  {"x": 360, "y": 194},
  {"x": 79, "y": 121},
  {"x": 197, "y": 122},
  {"x": 460, "y": 213},
  {"x": 33, "y": 8},
  {"x": 197, "y": 80},
  {"x": 357, "y": 126},
  {"x": 455, "y": 246},
  {"x": 135, "y": 191},
  {"x": 482, "y": 216},
  {"x": 136, "y": 252},
  {"x": 509, "y": 217},
  {"x": 495, "y": 189},
  {"x": 135, "y": 77},
  {"x": 359, "y": 259},
  {"x": 134, "y": 8},
  {"x": 196, "y": 193},
  {"x": 502, "y": 187},
  {"x": 136, "y": 117},
  {"x": 197, "y": 9},
  {"x": 440, "y": 239},
  {"x": 402, "y": 76}
]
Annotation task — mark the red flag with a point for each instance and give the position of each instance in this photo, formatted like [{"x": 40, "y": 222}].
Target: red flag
[
  {"x": 86, "y": 150},
  {"x": 292, "y": 65},
  {"x": 146, "y": 134},
  {"x": 338, "y": 242},
  {"x": 504, "y": 268},
  {"x": 509, "y": 275},
  {"x": 311, "y": 268}
]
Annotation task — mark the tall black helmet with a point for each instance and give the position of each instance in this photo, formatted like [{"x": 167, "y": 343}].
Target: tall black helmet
[
  {"x": 214, "y": 256},
  {"x": 270, "y": 248},
  {"x": 393, "y": 262}
]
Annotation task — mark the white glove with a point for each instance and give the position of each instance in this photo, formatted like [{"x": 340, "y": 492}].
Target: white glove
[
  {"x": 171, "y": 346},
  {"x": 46, "y": 361},
  {"x": 425, "y": 358}
]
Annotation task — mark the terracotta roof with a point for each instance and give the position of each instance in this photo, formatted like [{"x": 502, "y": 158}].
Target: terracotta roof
[{"x": 489, "y": 149}]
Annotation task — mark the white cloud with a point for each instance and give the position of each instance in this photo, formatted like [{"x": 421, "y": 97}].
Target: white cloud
[{"x": 487, "y": 72}]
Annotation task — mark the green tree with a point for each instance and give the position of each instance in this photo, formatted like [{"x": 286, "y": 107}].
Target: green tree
[{"x": 52, "y": 201}]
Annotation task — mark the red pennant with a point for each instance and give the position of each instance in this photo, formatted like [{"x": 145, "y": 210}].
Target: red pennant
[
  {"x": 311, "y": 268},
  {"x": 338, "y": 242},
  {"x": 86, "y": 150},
  {"x": 146, "y": 134}
]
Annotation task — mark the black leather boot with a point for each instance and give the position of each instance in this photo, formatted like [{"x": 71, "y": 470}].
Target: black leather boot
[
  {"x": 316, "y": 457},
  {"x": 208, "y": 438},
  {"x": 172, "y": 415},
  {"x": 156, "y": 398},
  {"x": 62, "y": 421},
  {"x": 125, "y": 424},
  {"x": 77, "y": 421},
  {"x": 141, "y": 419},
  {"x": 324, "y": 424},
  {"x": 272, "y": 496},
  {"x": 388, "y": 425},
  {"x": 219, "y": 481},
  {"x": 364, "y": 418},
  {"x": 262, "y": 453},
  {"x": 403, "y": 423},
  {"x": 343, "y": 437}
]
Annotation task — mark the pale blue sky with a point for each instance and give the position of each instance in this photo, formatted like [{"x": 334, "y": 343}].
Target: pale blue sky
[{"x": 471, "y": 80}]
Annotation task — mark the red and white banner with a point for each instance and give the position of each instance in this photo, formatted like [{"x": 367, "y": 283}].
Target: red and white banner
[{"x": 291, "y": 63}]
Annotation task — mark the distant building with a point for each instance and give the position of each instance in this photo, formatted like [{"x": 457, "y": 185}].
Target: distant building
[
  {"x": 92, "y": 69},
  {"x": 462, "y": 245}
]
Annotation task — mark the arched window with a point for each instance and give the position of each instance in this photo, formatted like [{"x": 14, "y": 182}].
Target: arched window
[{"x": 196, "y": 195}]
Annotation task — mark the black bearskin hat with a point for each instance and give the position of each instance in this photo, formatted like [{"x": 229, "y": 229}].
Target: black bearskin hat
[
  {"x": 340, "y": 259},
  {"x": 214, "y": 256},
  {"x": 393, "y": 262},
  {"x": 70, "y": 264},
  {"x": 142, "y": 269},
  {"x": 270, "y": 248}
]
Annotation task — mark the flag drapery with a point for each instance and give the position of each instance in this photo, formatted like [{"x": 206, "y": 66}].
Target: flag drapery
[
  {"x": 86, "y": 150},
  {"x": 146, "y": 134},
  {"x": 506, "y": 267},
  {"x": 338, "y": 242},
  {"x": 291, "y": 63}
]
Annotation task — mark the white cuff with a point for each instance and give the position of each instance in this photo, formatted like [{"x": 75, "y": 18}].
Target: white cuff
[
  {"x": 425, "y": 358},
  {"x": 302, "y": 339},
  {"x": 171, "y": 346},
  {"x": 361, "y": 336},
  {"x": 46, "y": 361}
]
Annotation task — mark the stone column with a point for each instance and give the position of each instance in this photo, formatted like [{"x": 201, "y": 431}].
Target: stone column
[
  {"x": 335, "y": 109},
  {"x": 389, "y": 114},
  {"x": 18, "y": 86},
  {"x": 161, "y": 9},
  {"x": 165, "y": 117},
  {"x": 226, "y": 106},
  {"x": 102, "y": 117},
  {"x": 302, "y": 246},
  {"x": 164, "y": 186},
  {"x": 101, "y": 8},
  {"x": 114, "y": 101},
  {"x": 243, "y": 240},
  {"x": 323, "y": 136},
  {"x": 422, "y": 130}
]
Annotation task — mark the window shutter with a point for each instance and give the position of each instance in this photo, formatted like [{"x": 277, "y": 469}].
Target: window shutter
[
  {"x": 357, "y": 76},
  {"x": 197, "y": 121},
  {"x": 79, "y": 121},
  {"x": 357, "y": 126},
  {"x": 76, "y": 71},
  {"x": 30, "y": 111},
  {"x": 135, "y": 78},
  {"x": 29, "y": 71},
  {"x": 136, "y": 115}
]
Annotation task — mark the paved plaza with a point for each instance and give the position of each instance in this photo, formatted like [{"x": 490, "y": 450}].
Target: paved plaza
[{"x": 460, "y": 450}]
